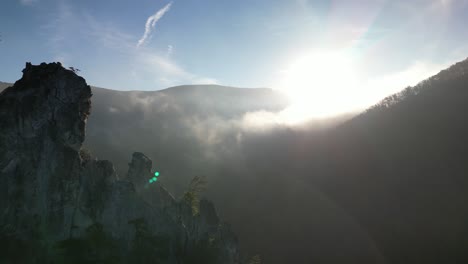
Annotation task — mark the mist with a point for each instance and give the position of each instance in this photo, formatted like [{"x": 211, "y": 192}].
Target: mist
[{"x": 320, "y": 185}]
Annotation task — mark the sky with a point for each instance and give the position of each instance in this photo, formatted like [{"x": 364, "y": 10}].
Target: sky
[{"x": 155, "y": 44}]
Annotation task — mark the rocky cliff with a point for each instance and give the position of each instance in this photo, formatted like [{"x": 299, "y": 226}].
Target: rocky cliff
[{"x": 54, "y": 201}]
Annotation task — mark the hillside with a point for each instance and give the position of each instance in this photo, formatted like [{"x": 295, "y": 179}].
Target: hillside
[
  {"x": 395, "y": 176},
  {"x": 4, "y": 85},
  {"x": 400, "y": 169}
]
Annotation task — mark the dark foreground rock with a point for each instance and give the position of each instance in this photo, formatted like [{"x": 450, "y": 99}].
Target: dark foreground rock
[{"x": 59, "y": 205}]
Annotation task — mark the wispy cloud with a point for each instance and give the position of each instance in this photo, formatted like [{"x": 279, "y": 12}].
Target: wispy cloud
[
  {"x": 151, "y": 23},
  {"x": 139, "y": 68},
  {"x": 167, "y": 72},
  {"x": 107, "y": 35}
]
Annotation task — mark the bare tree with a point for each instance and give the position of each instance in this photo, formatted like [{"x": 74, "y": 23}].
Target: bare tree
[{"x": 73, "y": 69}]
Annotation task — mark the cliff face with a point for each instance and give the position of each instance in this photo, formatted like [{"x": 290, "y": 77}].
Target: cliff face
[
  {"x": 42, "y": 127},
  {"x": 48, "y": 190}
]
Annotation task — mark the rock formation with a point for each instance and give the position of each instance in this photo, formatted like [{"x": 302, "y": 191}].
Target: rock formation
[{"x": 51, "y": 193}]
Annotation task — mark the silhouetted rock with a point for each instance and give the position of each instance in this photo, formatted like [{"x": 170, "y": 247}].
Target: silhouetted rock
[
  {"x": 47, "y": 189},
  {"x": 42, "y": 127}
]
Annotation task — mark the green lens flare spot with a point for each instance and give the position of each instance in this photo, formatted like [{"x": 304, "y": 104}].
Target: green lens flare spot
[{"x": 154, "y": 179}]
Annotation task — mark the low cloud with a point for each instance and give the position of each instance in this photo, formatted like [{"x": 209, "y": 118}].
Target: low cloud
[{"x": 151, "y": 23}]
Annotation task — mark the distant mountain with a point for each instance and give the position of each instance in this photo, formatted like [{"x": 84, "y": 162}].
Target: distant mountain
[
  {"x": 172, "y": 126},
  {"x": 4, "y": 85}
]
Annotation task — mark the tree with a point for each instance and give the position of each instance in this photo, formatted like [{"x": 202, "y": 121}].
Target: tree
[
  {"x": 73, "y": 69},
  {"x": 192, "y": 196}
]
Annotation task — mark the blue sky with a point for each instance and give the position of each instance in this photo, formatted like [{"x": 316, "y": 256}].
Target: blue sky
[{"x": 237, "y": 43}]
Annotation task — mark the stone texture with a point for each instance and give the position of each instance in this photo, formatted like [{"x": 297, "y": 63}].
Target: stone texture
[
  {"x": 42, "y": 127},
  {"x": 47, "y": 187}
]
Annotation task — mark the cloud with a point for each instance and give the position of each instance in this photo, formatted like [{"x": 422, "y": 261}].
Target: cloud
[
  {"x": 166, "y": 72},
  {"x": 140, "y": 68},
  {"x": 151, "y": 23},
  {"x": 107, "y": 35}
]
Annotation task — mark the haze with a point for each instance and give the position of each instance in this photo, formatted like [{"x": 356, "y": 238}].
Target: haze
[{"x": 284, "y": 131}]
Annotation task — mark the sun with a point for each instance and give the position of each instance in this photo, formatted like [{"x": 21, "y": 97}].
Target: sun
[{"x": 319, "y": 84}]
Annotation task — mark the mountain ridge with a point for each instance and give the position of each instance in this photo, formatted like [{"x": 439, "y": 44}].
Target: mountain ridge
[{"x": 4, "y": 85}]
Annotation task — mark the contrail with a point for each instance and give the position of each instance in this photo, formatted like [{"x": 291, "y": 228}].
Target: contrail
[{"x": 151, "y": 23}]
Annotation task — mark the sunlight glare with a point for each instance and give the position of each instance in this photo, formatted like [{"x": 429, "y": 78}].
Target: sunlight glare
[{"x": 319, "y": 85}]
